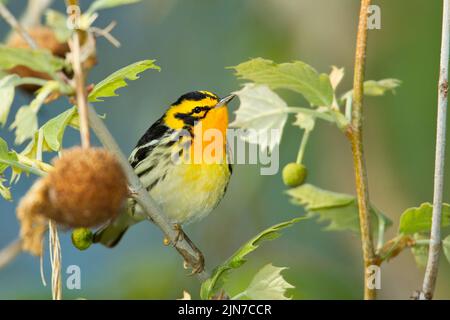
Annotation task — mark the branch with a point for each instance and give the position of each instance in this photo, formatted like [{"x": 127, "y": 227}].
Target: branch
[
  {"x": 12, "y": 21},
  {"x": 431, "y": 271},
  {"x": 80, "y": 89},
  {"x": 10, "y": 252},
  {"x": 355, "y": 136},
  {"x": 184, "y": 246}
]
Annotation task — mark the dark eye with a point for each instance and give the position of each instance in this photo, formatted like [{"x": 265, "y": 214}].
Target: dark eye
[{"x": 197, "y": 109}]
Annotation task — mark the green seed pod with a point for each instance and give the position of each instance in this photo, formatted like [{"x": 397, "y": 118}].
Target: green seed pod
[
  {"x": 82, "y": 238},
  {"x": 294, "y": 174}
]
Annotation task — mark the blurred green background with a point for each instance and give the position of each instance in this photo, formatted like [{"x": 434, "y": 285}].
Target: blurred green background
[{"x": 193, "y": 41}]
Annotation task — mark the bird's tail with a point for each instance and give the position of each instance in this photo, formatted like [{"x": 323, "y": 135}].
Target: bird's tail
[{"x": 110, "y": 234}]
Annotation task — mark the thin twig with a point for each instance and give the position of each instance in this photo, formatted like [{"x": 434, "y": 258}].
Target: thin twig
[
  {"x": 355, "y": 136},
  {"x": 12, "y": 21},
  {"x": 190, "y": 254},
  {"x": 55, "y": 260},
  {"x": 10, "y": 252},
  {"x": 80, "y": 89},
  {"x": 431, "y": 271}
]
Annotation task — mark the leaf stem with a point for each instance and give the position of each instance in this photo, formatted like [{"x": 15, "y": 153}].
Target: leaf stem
[
  {"x": 301, "y": 150},
  {"x": 354, "y": 133},
  {"x": 431, "y": 271}
]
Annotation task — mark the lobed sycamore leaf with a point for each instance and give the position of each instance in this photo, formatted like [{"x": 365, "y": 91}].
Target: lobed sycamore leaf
[
  {"x": 211, "y": 285},
  {"x": 108, "y": 86},
  {"x": 7, "y": 90},
  {"x": 38, "y": 60},
  {"x": 339, "y": 210},
  {"x": 263, "y": 113},
  {"x": 414, "y": 220},
  {"x": 296, "y": 76},
  {"x": 376, "y": 88},
  {"x": 106, "y": 4},
  {"x": 268, "y": 284}
]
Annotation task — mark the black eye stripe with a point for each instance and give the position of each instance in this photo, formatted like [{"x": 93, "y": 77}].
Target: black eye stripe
[{"x": 199, "y": 109}]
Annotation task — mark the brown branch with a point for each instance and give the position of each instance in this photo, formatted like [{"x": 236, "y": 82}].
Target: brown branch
[
  {"x": 355, "y": 136},
  {"x": 80, "y": 89}
]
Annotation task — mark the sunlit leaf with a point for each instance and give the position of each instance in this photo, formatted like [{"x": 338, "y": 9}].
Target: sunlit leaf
[
  {"x": 106, "y": 4},
  {"x": 6, "y": 97},
  {"x": 340, "y": 211},
  {"x": 38, "y": 60},
  {"x": 211, "y": 285},
  {"x": 263, "y": 113},
  {"x": 268, "y": 284},
  {"x": 297, "y": 76},
  {"x": 108, "y": 87},
  {"x": 54, "y": 129},
  {"x": 415, "y": 219}
]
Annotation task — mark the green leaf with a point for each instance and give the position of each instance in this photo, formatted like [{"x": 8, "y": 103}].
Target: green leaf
[
  {"x": 211, "y": 285},
  {"x": 297, "y": 76},
  {"x": 414, "y": 220},
  {"x": 38, "y": 60},
  {"x": 54, "y": 129},
  {"x": 108, "y": 87},
  {"x": 106, "y": 4},
  {"x": 6, "y": 156},
  {"x": 6, "y": 97},
  {"x": 446, "y": 247},
  {"x": 268, "y": 284},
  {"x": 58, "y": 22},
  {"x": 376, "y": 88},
  {"x": 26, "y": 122},
  {"x": 339, "y": 210}
]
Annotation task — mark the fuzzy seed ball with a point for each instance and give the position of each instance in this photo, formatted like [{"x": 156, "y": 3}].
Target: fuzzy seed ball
[
  {"x": 294, "y": 174},
  {"x": 87, "y": 187},
  {"x": 82, "y": 238}
]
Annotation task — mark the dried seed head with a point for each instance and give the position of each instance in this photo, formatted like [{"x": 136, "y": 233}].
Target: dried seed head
[
  {"x": 87, "y": 187},
  {"x": 32, "y": 224},
  {"x": 44, "y": 38}
]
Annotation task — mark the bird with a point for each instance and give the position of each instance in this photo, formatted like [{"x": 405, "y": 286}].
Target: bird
[{"x": 186, "y": 184}]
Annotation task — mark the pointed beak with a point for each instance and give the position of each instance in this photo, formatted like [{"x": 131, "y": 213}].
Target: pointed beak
[{"x": 224, "y": 101}]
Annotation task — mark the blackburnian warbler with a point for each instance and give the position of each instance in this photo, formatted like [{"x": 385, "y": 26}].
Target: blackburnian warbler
[{"x": 183, "y": 162}]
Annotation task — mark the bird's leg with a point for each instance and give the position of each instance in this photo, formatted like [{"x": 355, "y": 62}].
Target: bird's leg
[{"x": 200, "y": 266}]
